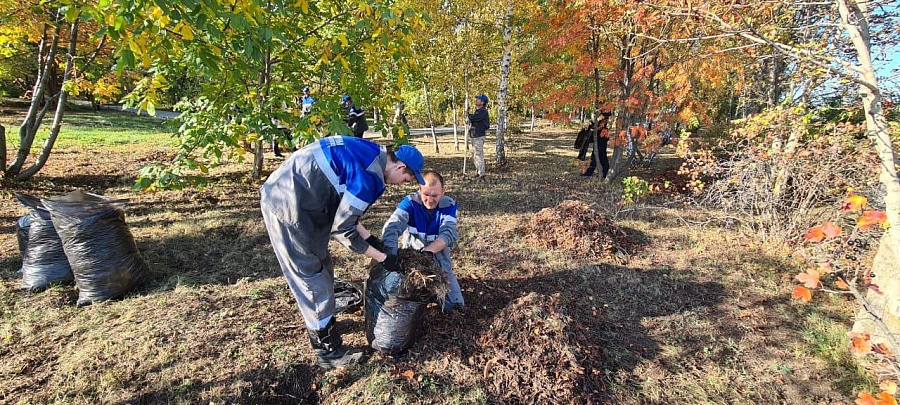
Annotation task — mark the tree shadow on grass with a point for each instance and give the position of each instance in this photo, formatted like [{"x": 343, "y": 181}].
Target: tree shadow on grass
[
  {"x": 292, "y": 385},
  {"x": 606, "y": 304}
]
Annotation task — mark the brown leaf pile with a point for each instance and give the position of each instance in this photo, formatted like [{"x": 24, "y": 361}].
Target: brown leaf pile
[
  {"x": 576, "y": 228},
  {"x": 537, "y": 362}
]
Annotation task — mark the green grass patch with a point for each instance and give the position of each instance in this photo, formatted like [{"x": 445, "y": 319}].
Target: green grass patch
[
  {"x": 93, "y": 129},
  {"x": 827, "y": 340}
]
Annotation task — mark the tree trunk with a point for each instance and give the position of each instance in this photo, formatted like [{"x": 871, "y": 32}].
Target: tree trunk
[
  {"x": 2, "y": 146},
  {"x": 38, "y": 108},
  {"x": 781, "y": 173},
  {"x": 430, "y": 117},
  {"x": 453, "y": 107},
  {"x": 854, "y": 19},
  {"x": 502, "y": 101},
  {"x": 60, "y": 110},
  {"x": 531, "y": 129}
]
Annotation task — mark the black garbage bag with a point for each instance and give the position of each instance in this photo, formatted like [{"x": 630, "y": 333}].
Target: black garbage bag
[
  {"x": 396, "y": 301},
  {"x": 22, "y": 227},
  {"x": 44, "y": 261},
  {"x": 393, "y": 323},
  {"x": 101, "y": 250},
  {"x": 347, "y": 296}
]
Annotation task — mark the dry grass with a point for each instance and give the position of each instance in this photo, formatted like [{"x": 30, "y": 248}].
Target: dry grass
[{"x": 700, "y": 315}]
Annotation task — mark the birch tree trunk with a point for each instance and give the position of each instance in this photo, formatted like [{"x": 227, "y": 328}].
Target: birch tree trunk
[
  {"x": 502, "y": 102},
  {"x": 454, "y": 107},
  {"x": 854, "y": 19},
  {"x": 430, "y": 117}
]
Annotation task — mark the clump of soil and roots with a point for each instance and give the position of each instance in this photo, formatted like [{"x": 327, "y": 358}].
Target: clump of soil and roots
[
  {"x": 574, "y": 227},
  {"x": 424, "y": 278}
]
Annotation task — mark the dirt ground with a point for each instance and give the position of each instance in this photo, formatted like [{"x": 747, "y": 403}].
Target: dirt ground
[{"x": 664, "y": 309}]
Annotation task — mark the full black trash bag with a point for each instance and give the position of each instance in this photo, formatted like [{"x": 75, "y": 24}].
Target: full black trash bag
[
  {"x": 101, "y": 250},
  {"x": 22, "y": 227},
  {"x": 44, "y": 261},
  {"x": 347, "y": 296},
  {"x": 393, "y": 323}
]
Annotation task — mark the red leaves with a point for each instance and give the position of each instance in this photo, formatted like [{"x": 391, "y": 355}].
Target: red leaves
[
  {"x": 883, "y": 398},
  {"x": 815, "y": 234},
  {"x": 870, "y": 218},
  {"x": 802, "y": 293},
  {"x": 860, "y": 343},
  {"x": 810, "y": 279},
  {"x": 820, "y": 233}
]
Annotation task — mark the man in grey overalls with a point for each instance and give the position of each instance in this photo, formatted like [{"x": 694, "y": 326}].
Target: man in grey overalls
[{"x": 319, "y": 193}]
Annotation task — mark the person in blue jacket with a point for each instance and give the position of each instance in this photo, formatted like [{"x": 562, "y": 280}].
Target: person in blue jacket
[
  {"x": 356, "y": 117},
  {"x": 306, "y": 102},
  {"x": 426, "y": 221},
  {"x": 318, "y": 194}
]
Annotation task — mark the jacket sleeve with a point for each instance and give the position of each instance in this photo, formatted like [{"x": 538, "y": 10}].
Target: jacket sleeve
[
  {"x": 395, "y": 225},
  {"x": 448, "y": 231},
  {"x": 343, "y": 228}
]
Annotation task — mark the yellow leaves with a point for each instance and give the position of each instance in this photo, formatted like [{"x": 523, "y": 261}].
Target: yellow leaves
[
  {"x": 870, "y": 218},
  {"x": 310, "y": 41},
  {"x": 854, "y": 203},
  {"x": 802, "y": 293},
  {"x": 343, "y": 39},
  {"x": 889, "y": 387},
  {"x": 810, "y": 278},
  {"x": 304, "y": 6},
  {"x": 186, "y": 32}
]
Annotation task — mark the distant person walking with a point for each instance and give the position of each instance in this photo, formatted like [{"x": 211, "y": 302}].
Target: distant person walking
[
  {"x": 480, "y": 122},
  {"x": 306, "y": 102},
  {"x": 356, "y": 117}
]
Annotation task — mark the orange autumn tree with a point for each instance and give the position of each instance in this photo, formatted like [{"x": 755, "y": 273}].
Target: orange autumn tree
[{"x": 607, "y": 54}]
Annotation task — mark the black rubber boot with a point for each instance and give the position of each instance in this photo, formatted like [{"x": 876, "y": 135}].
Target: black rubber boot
[{"x": 330, "y": 351}]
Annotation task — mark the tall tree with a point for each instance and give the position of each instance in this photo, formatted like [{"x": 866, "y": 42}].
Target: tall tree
[
  {"x": 252, "y": 57},
  {"x": 55, "y": 31}
]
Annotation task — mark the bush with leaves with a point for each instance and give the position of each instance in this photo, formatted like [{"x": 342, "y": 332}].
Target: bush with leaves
[
  {"x": 841, "y": 263},
  {"x": 778, "y": 169}
]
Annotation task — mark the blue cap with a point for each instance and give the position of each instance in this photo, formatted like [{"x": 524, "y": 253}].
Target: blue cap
[
  {"x": 345, "y": 98},
  {"x": 413, "y": 159},
  {"x": 305, "y": 89},
  {"x": 482, "y": 97}
]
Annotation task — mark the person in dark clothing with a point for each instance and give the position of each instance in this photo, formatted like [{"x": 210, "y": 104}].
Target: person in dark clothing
[
  {"x": 356, "y": 117},
  {"x": 599, "y": 150},
  {"x": 480, "y": 122}
]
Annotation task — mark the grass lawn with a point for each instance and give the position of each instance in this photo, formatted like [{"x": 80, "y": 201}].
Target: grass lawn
[
  {"x": 80, "y": 129},
  {"x": 691, "y": 313}
]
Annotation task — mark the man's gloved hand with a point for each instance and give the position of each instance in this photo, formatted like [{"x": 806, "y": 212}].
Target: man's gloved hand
[
  {"x": 390, "y": 263},
  {"x": 376, "y": 243}
]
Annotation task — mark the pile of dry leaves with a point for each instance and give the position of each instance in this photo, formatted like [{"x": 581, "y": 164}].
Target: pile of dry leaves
[
  {"x": 574, "y": 227},
  {"x": 528, "y": 354}
]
